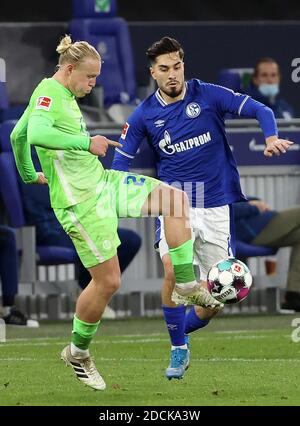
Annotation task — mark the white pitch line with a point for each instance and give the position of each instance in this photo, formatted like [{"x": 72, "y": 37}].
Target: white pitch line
[
  {"x": 31, "y": 342},
  {"x": 24, "y": 339},
  {"x": 18, "y": 359},
  {"x": 269, "y": 330},
  {"x": 96, "y": 342},
  {"x": 141, "y": 360},
  {"x": 142, "y": 336},
  {"x": 206, "y": 359}
]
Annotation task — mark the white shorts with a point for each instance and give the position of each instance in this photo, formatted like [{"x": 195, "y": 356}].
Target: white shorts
[{"x": 211, "y": 236}]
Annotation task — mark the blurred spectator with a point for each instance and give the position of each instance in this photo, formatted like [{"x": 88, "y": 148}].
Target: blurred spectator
[
  {"x": 9, "y": 279},
  {"x": 265, "y": 88},
  {"x": 256, "y": 224}
]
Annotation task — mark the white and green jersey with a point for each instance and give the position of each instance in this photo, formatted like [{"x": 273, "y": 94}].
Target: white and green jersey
[{"x": 54, "y": 124}]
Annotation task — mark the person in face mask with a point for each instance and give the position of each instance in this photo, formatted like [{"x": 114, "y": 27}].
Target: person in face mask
[{"x": 265, "y": 88}]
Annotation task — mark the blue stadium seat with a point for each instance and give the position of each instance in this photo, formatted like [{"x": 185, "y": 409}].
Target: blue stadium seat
[
  {"x": 11, "y": 196},
  {"x": 109, "y": 34},
  {"x": 237, "y": 79},
  {"x": 3, "y": 97},
  {"x": 8, "y": 112},
  {"x": 92, "y": 8},
  {"x": 229, "y": 78},
  {"x": 245, "y": 250}
]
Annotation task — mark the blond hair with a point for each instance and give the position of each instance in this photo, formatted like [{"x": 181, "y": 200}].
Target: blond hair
[{"x": 73, "y": 53}]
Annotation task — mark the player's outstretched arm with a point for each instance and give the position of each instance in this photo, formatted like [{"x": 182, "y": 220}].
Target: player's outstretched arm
[
  {"x": 276, "y": 146},
  {"x": 21, "y": 151},
  {"x": 41, "y": 133},
  {"x": 99, "y": 145},
  {"x": 267, "y": 122}
]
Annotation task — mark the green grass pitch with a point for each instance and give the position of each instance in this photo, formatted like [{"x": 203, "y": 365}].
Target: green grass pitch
[{"x": 234, "y": 361}]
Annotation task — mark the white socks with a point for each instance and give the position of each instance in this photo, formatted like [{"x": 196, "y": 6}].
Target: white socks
[
  {"x": 185, "y": 289},
  {"x": 79, "y": 353},
  {"x": 180, "y": 347}
]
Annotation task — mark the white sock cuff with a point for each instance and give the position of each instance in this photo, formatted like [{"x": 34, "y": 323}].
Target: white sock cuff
[
  {"x": 180, "y": 347},
  {"x": 79, "y": 353},
  {"x": 184, "y": 289}
]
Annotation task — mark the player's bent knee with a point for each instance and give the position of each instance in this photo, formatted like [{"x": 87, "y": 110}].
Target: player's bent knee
[
  {"x": 114, "y": 284},
  {"x": 179, "y": 203},
  {"x": 184, "y": 198},
  {"x": 110, "y": 284}
]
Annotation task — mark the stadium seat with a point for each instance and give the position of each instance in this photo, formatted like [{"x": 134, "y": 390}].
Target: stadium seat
[
  {"x": 3, "y": 97},
  {"x": 109, "y": 34},
  {"x": 236, "y": 79},
  {"x": 11, "y": 197},
  {"x": 245, "y": 250},
  {"x": 230, "y": 79},
  {"x": 8, "y": 112}
]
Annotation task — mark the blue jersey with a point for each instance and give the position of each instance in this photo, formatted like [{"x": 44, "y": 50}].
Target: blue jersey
[{"x": 189, "y": 139}]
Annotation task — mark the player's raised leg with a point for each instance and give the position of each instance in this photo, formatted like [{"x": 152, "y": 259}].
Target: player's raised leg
[{"x": 173, "y": 204}]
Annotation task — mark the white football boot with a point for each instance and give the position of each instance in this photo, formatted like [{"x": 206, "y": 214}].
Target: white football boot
[
  {"x": 84, "y": 369},
  {"x": 198, "y": 295}
]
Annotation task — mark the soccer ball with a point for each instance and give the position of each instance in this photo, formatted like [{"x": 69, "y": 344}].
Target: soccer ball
[{"x": 229, "y": 281}]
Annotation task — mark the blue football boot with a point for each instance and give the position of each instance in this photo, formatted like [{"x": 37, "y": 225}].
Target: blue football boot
[
  {"x": 180, "y": 359},
  {"x": 187, "y": 341}
]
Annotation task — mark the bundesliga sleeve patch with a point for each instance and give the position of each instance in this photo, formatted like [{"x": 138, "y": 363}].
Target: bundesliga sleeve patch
[
  {"x": 43, "y": 102},
  {"x": 125, "y": 130}
]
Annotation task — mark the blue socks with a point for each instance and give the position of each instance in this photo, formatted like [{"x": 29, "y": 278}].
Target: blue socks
[
  {"x": 193, "y": 322},
  {"x": 179, "y": 323},
  {"x": 175, "y": 320}
]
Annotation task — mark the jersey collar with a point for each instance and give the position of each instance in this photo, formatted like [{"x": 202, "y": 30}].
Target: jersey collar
[
  {"x": 163, "y": 102},
  {"x": 62, "y": 87}
]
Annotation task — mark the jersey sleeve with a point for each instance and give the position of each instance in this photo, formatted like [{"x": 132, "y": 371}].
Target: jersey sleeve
[
  {"x": 227, "y": 101},
  {"x": 224, "y": 100},
  {"x": 41, "y": 133},
  {"x": 21, "y": 150},
  {"x": 45, "y": 102},
  {"x": 263, "y": 114},
  {"x": 46, "y": 108},
  {"x": 131, "y": 137}
]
